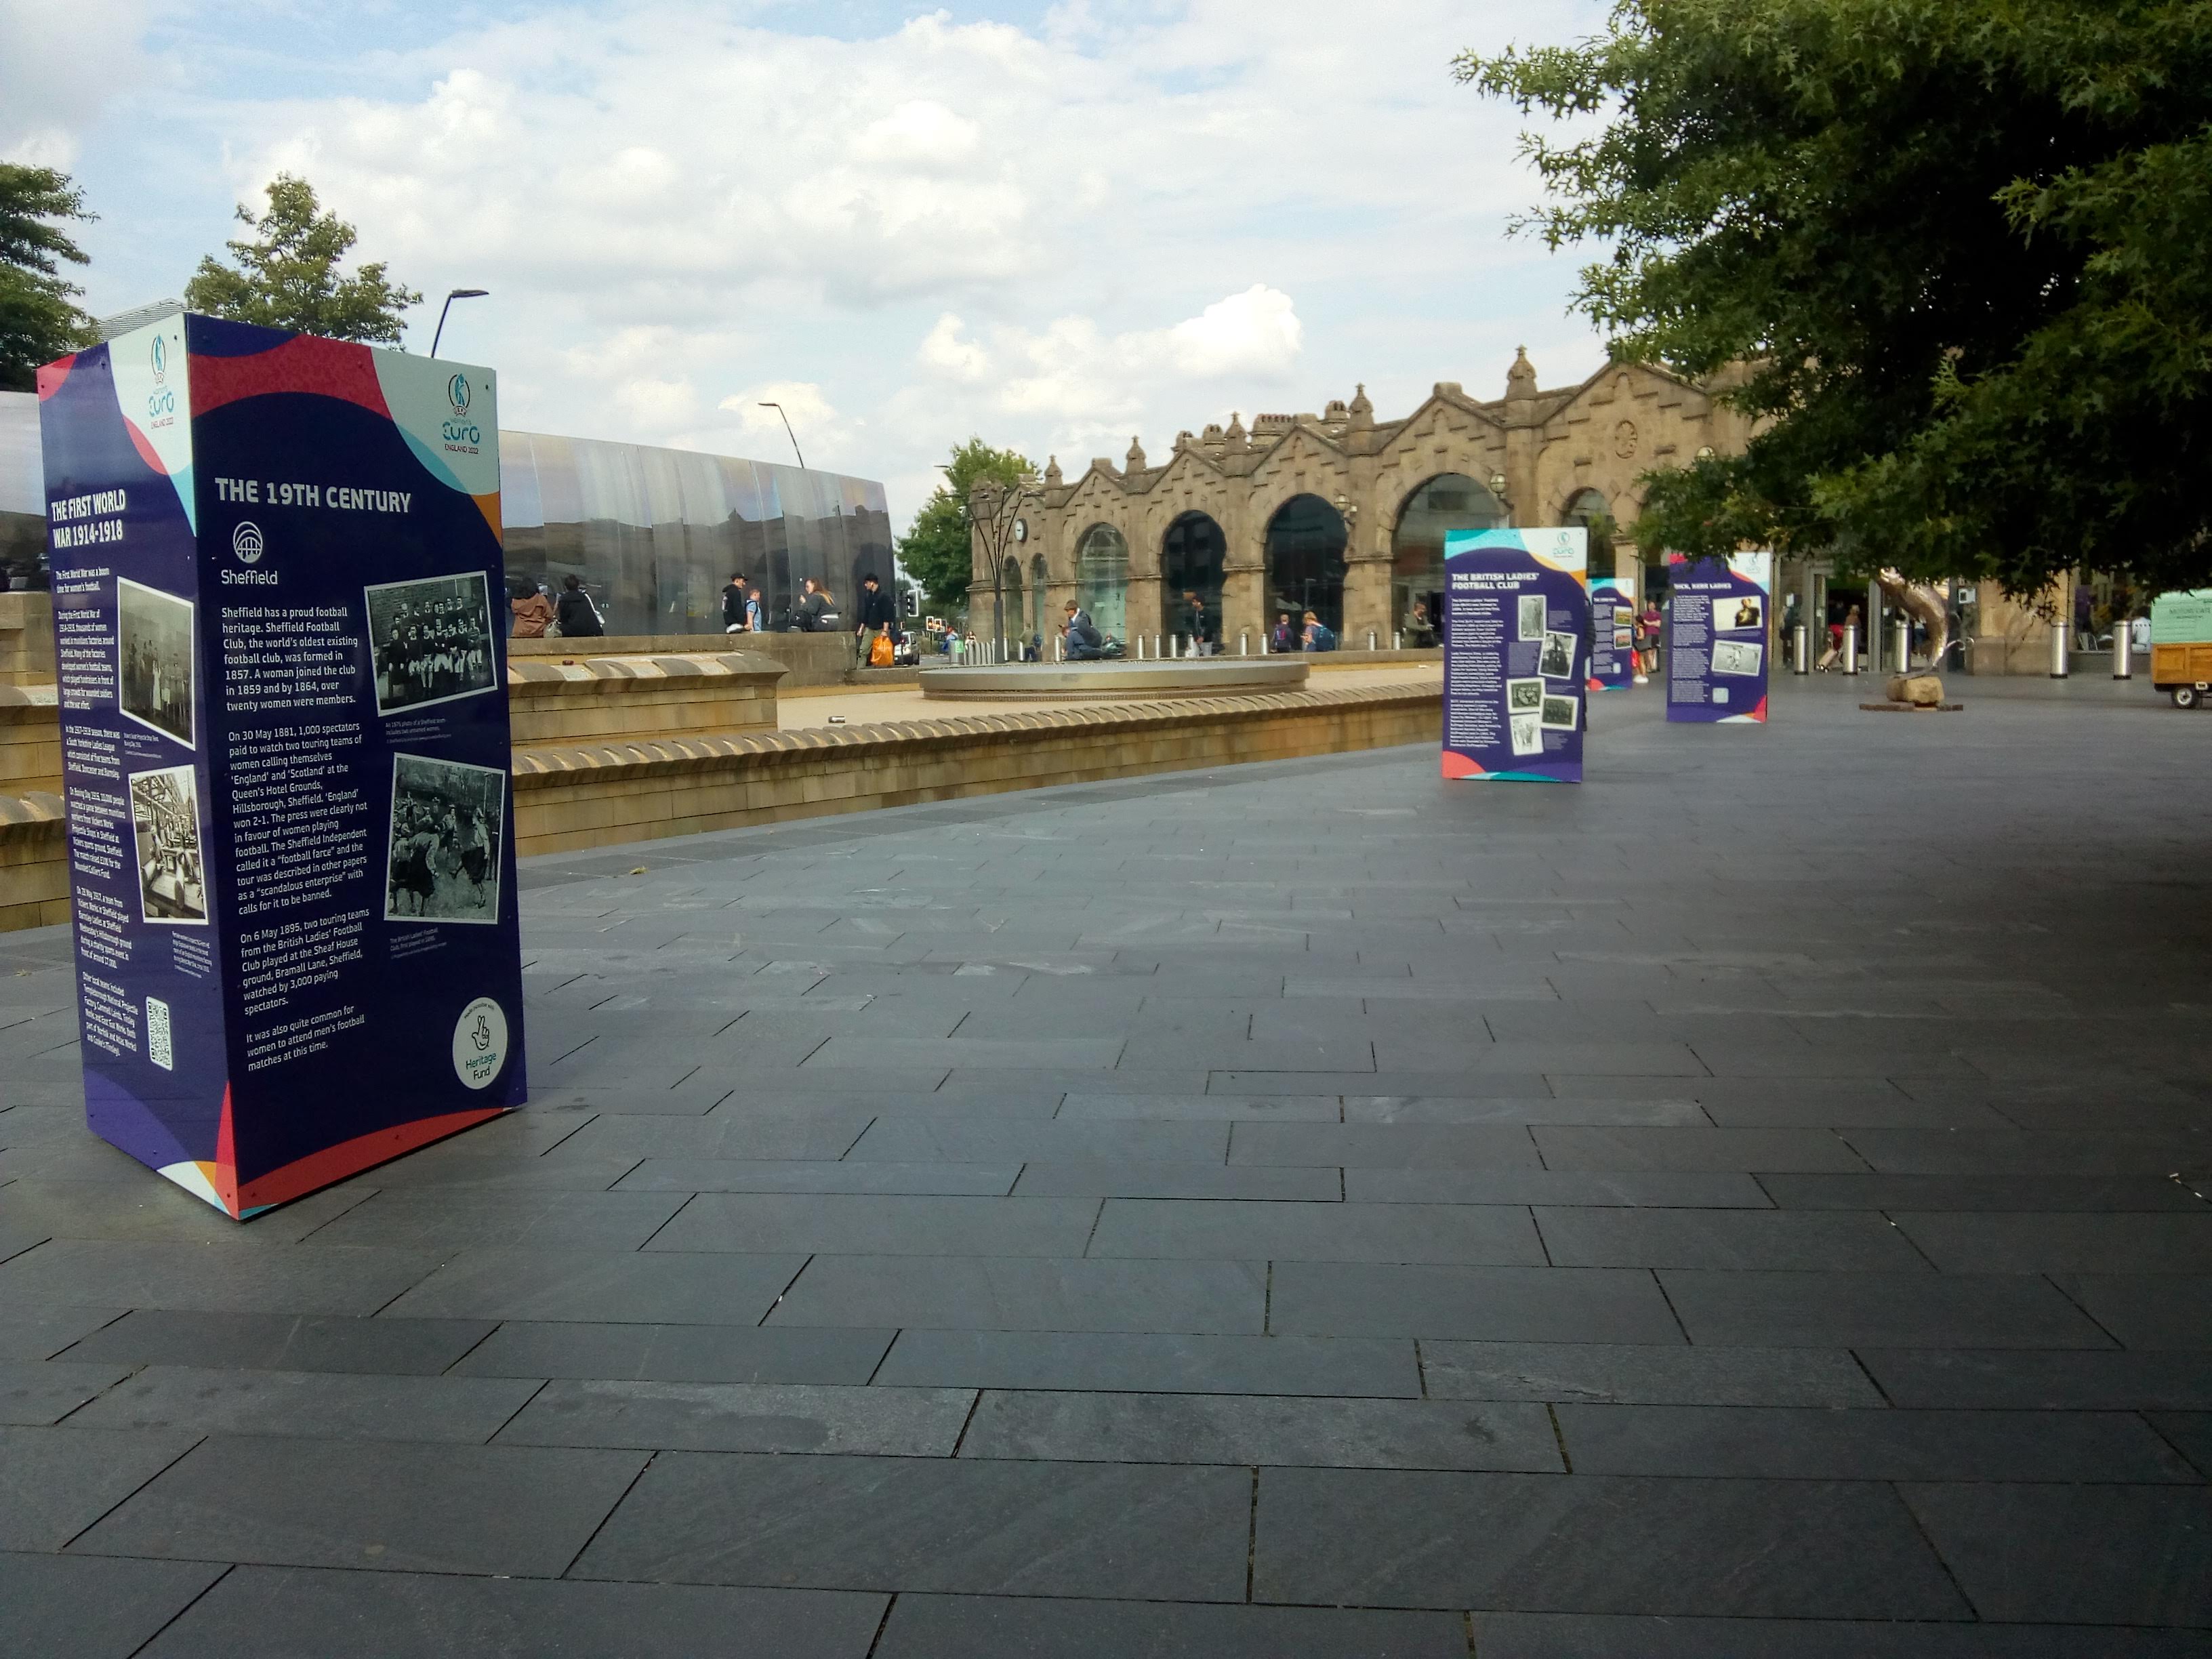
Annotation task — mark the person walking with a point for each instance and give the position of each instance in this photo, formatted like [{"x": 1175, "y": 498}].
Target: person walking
[
  {"x": 1198, "y": 622},
  {"x": 1286, "y": 637},
  {"x": 1316, "y": 634},
  {"x": 578, "y": 617},
  {"x": 733, "y": 604},
  {"x": 1650, "y": 624},
  {"x": 753, "y": 609},
  {"x": 878, "y": 615}
]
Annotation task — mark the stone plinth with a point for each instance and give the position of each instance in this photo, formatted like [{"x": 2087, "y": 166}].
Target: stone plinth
[
  {"x": 811, "y": 659},
  {"x": 1117, "y": 682},
  {"x": 30, "y": 740},
  {"x": 553, "y": 701},
  {"x": 26, "y": 639}
]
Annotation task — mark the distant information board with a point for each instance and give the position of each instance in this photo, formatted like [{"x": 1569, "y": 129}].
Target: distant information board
[
  {"x": 1517, "y": 655},
  {"x": 1612, "y": 635},
  {"x": 280, "y": 618},
  {"x": 1718, "y": 632}
]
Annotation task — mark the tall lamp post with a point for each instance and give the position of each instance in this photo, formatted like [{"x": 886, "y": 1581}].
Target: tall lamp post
[
  {"x": 789, "y": 432},
  {"x": 457, "y": 294}
]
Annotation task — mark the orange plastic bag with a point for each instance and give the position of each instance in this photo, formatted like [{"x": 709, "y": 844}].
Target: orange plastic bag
[{"x": 881, "y": 653}]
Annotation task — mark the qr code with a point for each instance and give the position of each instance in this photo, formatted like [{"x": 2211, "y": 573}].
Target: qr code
[{"x": 157, "y": 1034}]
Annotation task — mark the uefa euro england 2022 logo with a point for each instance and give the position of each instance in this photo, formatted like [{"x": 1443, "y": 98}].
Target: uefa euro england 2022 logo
[
  {"x": 456, "y": 393},
  {"x": 160, "y": 360},
  {"x": 462, "y": 435},
  {"x": 245, "y": 542}
]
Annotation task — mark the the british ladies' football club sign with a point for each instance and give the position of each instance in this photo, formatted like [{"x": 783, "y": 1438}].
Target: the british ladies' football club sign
[
  {"x": 1517, "y": 655},
  {"x": 276, "y": 571}
]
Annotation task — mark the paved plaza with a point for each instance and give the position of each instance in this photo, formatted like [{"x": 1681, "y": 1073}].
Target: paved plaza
[{"x": 1750, "y": 1204}]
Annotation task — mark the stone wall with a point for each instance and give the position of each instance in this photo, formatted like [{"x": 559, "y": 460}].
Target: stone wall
[
  {"x": 30, "y": 740},
  {"x": 34, "y": 861},
  {"x": 811, "y": 659},
  {"x": 569, "y": 799},
  {"x": 26, "y": 639},
  {"x": 553, "y": 701}
]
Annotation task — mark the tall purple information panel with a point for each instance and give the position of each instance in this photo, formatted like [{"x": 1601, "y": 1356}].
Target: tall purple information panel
[
  {"x": 1718, "y": 631},
  {"x": 1517, "y": 655},
  {"x": 279, "y": 621}
]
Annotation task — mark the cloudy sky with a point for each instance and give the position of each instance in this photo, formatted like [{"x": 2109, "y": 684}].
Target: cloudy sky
[{"x": 1056, "y": 226}]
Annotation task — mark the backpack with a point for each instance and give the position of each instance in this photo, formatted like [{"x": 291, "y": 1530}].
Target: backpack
[{"x": 1324, "y": 637}]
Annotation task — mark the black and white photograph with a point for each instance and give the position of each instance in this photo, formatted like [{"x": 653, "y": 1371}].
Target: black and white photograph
[
  {"x": 1524, "y": 697},
  {"x": 430, "y": 640},
  {"x": 443, "y": 854},
  {"x": 1528, "y": 733},
  {"x": 1562, "y": 713},
  {"x": 1558, "y": 662},
  {"x": 1533, "y": 616},
  {"x": 1736, "y": 656},
  {"x": 154, "y": 658},
  {"x": 165, "y": 825},
  {"x": 1745, "y": 613}
]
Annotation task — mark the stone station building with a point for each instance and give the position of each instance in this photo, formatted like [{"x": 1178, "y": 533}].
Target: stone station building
[{"x": 1338, "y": 512}]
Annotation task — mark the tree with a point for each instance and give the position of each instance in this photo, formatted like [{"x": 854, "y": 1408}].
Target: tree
[
  {"x": 287, "y": 276},
  {"x": 935, "y": 551},
  {"x": 39, "y": 317},
  {"x": 1955, "y": 254}
]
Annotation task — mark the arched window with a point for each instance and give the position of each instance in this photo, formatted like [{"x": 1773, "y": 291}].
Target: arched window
[
  {"x": 1192, "y": 554},
  {"x": 1305, "y": 561},
  {"x": 1102, "y": 579},
  {"x": 1011, "y": 607},
  {"x": 1449, "y": 501}
]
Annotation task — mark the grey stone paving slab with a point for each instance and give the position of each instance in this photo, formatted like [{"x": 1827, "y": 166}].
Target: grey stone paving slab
[
  {"x": 1204, "y": 1229},
  {"x": 874, "y": 1225},
  {"x": 2101, "y": 1555},
  {"x": 152, "y": 1209},
  {"x": 941, "y": 1141},
  {"x": 399, "y": 1347},
  {"x": 1828, "y": 1242},
  {"x": 2170, "y": 1311},
  {"x": 1472, "y": 1083},
  {"x": 1593, "y": 1544},
  {"x": 1090, "y": 1529},
  {"x": 2027, "y": 1152},
  {"x": 341, "y": 1279},
  {"x": 1882, "y": 1310},
  {"x": 90, "y": 1609},
  {"x": 1615, "y": 1636},
  {"x": 522, "y": 1510},
  {"x": 744, "y": 1417},
  {"x": 1014, "y": 1293},
  {"x": 692, "y": 1174},
  {"x": 34, "y": 1330},
  {"x": 1114, "y": 1179},
  {"x": 1629, "y": 1375},
  {"x": 1174, "y": 1428},
  {"x": 1526, "y": 1304},
  {"x": 429, "y": 1219},
  {"x": 55, "y": 1482},
  {"x": 790, "y": 1132},
  {"x": 1632, "y": 1189},
  {"x": 37, "y": 1391},
  {"x": 677, "y": 1353},
  {"x": 2046, "y": 1195},
  {"x": 1953, "y": 1378},
  {"x": 1385, "y": 1145},
  {"x": 1151, "y": 1362},
  {"x": 1201, "y": 1109},
  {"x": 323, "y": 1405},
  {"x": 2103, "y": 1244},
  {"x": 1566, "y": 1148},
  {"x": 1827, "y": 1444},
  {"x": 2189, "y": 1433},
  {"x": 1430, "y": 1109},
  {"x": 275, "y": 1612},
  {"x": 601, "y": 1285},
  {"x": 960, "y": 1626},
  {"x": 559, "y": 1170}
]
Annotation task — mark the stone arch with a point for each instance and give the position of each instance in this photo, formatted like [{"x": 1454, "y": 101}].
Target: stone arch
[
  {"x": 1038, "y": 585},
  {"x": 1439, "y": 504},
  {"x": 1194, "y": 557},
  {"x": 1305, "y": 544},
  {"x": 1009, "y": 608},
  {"x": 1101, "y": 577}
]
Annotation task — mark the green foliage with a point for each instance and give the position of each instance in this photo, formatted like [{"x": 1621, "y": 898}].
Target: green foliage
[
  {"x": 935, "y": 551},
  {"x": 1963, "y": 246},
  {"x": 39, "y": 319},
  {"x": 287, "y": 276}
]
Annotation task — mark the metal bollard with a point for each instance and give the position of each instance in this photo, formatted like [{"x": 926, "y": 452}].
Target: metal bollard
[
  {"x": 1243, "y": 644},
  {"x": 1398, "y": 639},
  {"x": 2124, "y": 667},
  {"x": 1156, "y": 647},
  {"x": 1852, "y": 648},
  {"x": 1801, "y": 656},
  {"x": 1903, "y": 637},
  {"x": 2059, "y": 651},
  {"x": 1370, "y": 638}
]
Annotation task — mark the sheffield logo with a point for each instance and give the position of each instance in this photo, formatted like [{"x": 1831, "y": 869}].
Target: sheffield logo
[{"x": 245, "y": 542}]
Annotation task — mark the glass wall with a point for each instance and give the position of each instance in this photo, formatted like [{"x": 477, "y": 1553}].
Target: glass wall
[
  {"x": 1102, "y": 579},
  {"x": 1450, "y": 501},
  {"x": 655, "y": 533},
  {"x": 1305, "y": 563},
  {"x": 1192, "y": 554}
]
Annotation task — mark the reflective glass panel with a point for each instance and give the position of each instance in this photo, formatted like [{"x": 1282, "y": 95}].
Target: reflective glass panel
[
  {"x": 1305, "y": 563},
  {"x": 1450, "y": 501},
  {"x": 1102, "y": 579}
]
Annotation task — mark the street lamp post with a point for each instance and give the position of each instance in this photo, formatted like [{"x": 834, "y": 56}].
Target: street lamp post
[
  {"x": 793, "y": 436},
  {"x": 457, "y": 294}
]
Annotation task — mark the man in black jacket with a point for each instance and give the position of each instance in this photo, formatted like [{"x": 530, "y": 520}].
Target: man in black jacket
[
  {"x": 877, "y": 610},
  {"x": 733, "y": 604},
  {"x": 577, "y": 615}
]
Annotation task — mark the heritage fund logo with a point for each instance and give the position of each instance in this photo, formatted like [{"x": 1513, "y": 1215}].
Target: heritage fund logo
[
  {"x": 480, "y": 1042},
  {"x": 245, "y": 542}
]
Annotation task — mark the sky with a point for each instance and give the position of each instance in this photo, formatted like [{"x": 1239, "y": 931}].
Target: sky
[{"x": 1055, "y": 226}]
